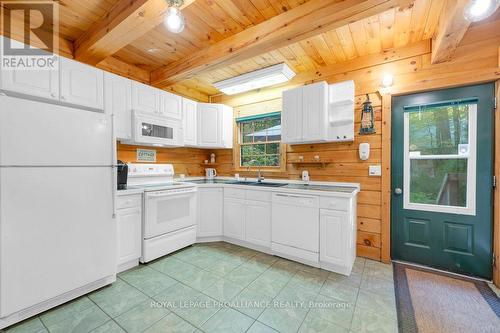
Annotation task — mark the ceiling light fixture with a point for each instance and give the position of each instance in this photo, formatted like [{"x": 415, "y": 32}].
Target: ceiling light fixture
[
  {"x": 478, "y": 10},
  {"x": 174, "y": 20},
  {"x": 260, "y": 78},
  {"x": 387, "y": 81}
]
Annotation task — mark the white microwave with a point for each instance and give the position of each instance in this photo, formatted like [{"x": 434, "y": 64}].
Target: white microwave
[{"x": 155, "y": 130}]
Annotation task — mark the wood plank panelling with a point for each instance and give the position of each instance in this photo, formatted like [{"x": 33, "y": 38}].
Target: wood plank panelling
[
  {"x": 475, "y": 60},
  {"x": 186, "y": 161}
]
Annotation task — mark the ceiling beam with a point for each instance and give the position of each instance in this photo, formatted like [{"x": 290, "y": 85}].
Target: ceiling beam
[
  {"x": 307, "y": 20},
  {"x": 452, "y": 27},
  {"x": 124, "y": 23}
]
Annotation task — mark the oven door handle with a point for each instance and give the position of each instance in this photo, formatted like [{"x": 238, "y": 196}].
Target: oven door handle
[{"x": 169, "y": 193}]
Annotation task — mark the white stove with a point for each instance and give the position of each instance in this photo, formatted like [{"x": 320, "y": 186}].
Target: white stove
[{"x": 169, "y": 222}]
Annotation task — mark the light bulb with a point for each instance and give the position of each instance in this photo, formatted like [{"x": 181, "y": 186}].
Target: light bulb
[
  {"x": 387, "y": 80},
  {"x": 174, "y": 20},
  {"x": 478, "y": 10}
]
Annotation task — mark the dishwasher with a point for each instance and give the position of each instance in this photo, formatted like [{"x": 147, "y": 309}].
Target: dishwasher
[{"x": 295, "y": 227}]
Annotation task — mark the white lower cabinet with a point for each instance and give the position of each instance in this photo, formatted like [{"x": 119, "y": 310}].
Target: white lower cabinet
[
  {"x": 337, "y": 240},
  {"x": 129, "y": 221},
  {"x": 315, "y": 230},
  {"x": 258, "y": 223},
  {"x": 234, "y": 218},
  {"x": 333, "y": 225},
  {"x": 210, "y": 212}
]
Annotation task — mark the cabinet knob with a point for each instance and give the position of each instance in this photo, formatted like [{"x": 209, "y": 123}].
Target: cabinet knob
[{"x": 52, "y": 95}]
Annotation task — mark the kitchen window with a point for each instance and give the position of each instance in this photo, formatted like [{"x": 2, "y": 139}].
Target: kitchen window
[{"x": 259, "y": 143}]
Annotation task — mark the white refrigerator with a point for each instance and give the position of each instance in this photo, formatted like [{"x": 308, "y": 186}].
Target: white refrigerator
[{"x": 57, "y": 226}]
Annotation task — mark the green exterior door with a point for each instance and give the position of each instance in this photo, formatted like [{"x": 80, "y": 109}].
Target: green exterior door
[{"x": 442, "y": 179}]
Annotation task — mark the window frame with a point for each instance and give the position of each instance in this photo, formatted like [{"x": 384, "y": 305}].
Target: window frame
[
  {"x": 238, "y": 144},
  {"x": 470, "y": 208}
]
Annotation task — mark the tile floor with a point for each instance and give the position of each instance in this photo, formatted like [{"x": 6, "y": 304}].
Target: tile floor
[{"x": 219, "y": 287}]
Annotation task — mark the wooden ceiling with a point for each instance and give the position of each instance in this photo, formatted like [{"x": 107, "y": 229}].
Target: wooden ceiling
[{"x": 395, "y": 24}]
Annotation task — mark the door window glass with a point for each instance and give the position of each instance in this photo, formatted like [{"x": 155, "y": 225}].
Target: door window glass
[
  {"x": 439, "y": 182},
  {"x": 439, "y": 130},
  {"x": 440, "y": 158}
]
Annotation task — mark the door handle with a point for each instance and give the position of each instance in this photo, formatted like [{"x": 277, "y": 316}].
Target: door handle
[{"x": 398, "y": 191}]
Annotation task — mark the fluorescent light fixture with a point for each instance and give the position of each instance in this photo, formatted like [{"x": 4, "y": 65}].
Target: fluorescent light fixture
[
  {"x": 260, "y": 78},
  {"x": 478, "y": 10}
]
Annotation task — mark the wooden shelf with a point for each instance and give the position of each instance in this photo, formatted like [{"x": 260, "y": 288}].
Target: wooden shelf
[
  {"x": 209, "y": 164},
  {"x": 323, "y": 163}
]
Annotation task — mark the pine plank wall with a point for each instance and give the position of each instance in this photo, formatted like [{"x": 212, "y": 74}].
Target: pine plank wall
[{"x": 475, "y": 61}]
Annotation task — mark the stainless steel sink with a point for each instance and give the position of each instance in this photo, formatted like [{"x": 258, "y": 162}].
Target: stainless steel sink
[{"x": 257, "y": 184}]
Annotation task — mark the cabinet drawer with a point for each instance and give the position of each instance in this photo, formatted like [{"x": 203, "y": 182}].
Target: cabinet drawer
[
  {"x": 334, "y": 203},
  {"x": 259, "y": 195},
  {"x": 129, "y": 201},
  {"x": 234, "y": 193}
]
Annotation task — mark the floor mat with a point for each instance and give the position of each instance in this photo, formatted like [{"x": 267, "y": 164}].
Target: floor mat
[{"x": 430, "y": 301}]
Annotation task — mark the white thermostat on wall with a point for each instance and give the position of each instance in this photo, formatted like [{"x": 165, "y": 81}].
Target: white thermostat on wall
[{"x": 364, "y": 151}]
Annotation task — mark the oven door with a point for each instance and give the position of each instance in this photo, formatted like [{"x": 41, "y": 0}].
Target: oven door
[
  {"x": 169, "y": 210},
  {"x": 150, "y": 129}
]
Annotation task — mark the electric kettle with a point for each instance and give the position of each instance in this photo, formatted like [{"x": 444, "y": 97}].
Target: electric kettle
[{"x": 210, "y": 173}]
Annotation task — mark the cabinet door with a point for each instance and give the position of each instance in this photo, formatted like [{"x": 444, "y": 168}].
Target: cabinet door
[
  {"x": 291, "y": 116},
  {"x": 258, "y": 223},
  {"x": 234, "y": 218},
  {"x": 43, "y": 83},
  {"x": 190, "y": 121},
  {"x": 118, "y": 103},
  {"x": 314, "y": 108},
  {"x": 210, "y": 213},
  {"x": 129, "y": 234},
  {"x": 81, "y": 84},
  {"x": 38, "y": 83},
  {"x": 209, "y": 125},
  {"x": 334, "y": 239},
  {"x": 227, "y": 126},
  {"x": 145, "y": 98},
  {"x": 171, "y": 105}
]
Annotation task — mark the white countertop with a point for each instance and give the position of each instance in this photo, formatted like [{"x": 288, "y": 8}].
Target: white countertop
[
  {"x": 130, "y": 190},
  {"x": 317, "y": 188}
]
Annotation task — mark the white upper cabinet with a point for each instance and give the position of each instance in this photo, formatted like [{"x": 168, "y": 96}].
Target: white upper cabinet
[
  {"x": 209, "y": 125},
  {"x": 227, "y": 126},
  {"x": 318, "y": 113},
  {"x": 341, "y": 111},
  {"x": 189, "y": 122},
  {"x": 81, "y": 84},
  {"x": 171, "y": 105},
  {"x": 146, "y": 98},
  {"x": 291, "y": 117},
  {"x": 215, "y": 125},
  {"x": 314, "y": 106},
  {"x": 37, "y": 83},
  {"x": 117, "y": 97}
]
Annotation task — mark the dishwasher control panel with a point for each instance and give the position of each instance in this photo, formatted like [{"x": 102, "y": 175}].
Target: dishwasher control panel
[{"x": 296, "y": 199}]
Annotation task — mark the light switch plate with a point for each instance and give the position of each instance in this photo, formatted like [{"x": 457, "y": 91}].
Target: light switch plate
[{"x": 375, "y": 170}]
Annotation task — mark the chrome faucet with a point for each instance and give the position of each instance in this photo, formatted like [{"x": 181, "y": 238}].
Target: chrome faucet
[{"x": 259, "y": 176}]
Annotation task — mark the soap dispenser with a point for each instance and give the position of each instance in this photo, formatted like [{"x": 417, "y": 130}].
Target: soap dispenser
[{"x": 305, "y": 176}]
